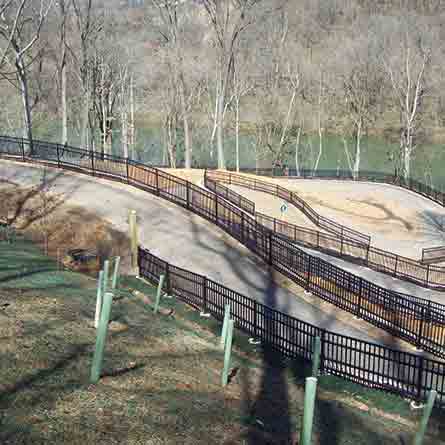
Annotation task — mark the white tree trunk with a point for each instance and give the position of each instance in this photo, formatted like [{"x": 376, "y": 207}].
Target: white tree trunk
[
  {"x": 64, "y": 104},
  {"x": 186, "y": 125},
  {"x": 219, "y": 130},
  {"x": 357, "y": 150},
  {"x": 27, "y": 130},
  {"x": 297, "y": 152},
  {"x": 132, "y": 127},
  {"x": 237, "y": 104}
]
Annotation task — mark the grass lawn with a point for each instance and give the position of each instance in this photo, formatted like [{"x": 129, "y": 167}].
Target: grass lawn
[{"x": 161, "y": 375}]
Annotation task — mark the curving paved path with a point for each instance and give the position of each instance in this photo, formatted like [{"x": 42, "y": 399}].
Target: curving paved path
[
  {"x": 189, "y": 241},
  {"x": 398, "y": 220},
  {"x": 269, "y": 205}
]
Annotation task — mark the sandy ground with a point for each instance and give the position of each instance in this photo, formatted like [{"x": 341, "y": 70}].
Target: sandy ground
[
  {"x": 190, "y": 242},
  {"x": 398, "y": 220}
]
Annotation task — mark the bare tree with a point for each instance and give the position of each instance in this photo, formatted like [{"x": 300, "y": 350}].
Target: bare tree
[
  {"x": 64, "y": 7},
  {"x": 360, "y": 86},
  {"x": 88, "y": 27},
  {"x": 171, "y": 13},
  {"x": 21, "y": 22},
  {"x": 229, "y": 21},
  {"x": 407, "y": 69}
]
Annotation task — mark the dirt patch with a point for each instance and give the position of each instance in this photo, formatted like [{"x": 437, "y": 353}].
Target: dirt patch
[{"x": 58, "y": 227}]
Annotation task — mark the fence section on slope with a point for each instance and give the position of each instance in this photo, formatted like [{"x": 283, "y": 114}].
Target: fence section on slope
[
  {"x": 362, "y": 362},
  {"x": 419, "y": 272}
]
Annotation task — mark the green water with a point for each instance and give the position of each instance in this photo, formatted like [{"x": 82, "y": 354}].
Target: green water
[{"x": 427, "y": 165}]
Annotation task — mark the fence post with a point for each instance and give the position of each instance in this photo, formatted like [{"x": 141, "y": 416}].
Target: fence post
[
  {"x": 92, "y": 162},
  {"x": 270, "y": 248},
  {"x": 255, "y": 319},
  {"x": 242, "y": 228},
  {"x": 128, "y": 172},
  {"x": 419, "y": 378},
  {"x": 58, "y": 155},
  {"x": 322, "y": 342},
  {"x": 427, "y": 279},
  {"x": 216, "y": 209},
  {"x": 359, "y": 306},
  {"x": 204, "y": 295},
  {"x": 187, "y": 189},
  {"x": 309, "y": 271},
  {"x": 420, "y": 332},
  {"x": 395, "y": 265},
  {"x": 158, "y": 192},
  {"x": 22, "y": 146}
]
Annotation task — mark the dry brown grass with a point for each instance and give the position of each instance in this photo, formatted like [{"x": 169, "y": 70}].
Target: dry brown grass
[{"x": 59, "y": 227}]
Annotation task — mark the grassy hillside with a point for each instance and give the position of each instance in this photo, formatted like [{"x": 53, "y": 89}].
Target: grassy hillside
[{"x": 161, "y": 382}]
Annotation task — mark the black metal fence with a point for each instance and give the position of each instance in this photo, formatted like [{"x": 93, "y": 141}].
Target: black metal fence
[
  {"x": 418, "y": 321},
  {"x": 421, "y": 272},
  {"x": 362, "y": 362},
  {"x": 345, "y": 175},
  {"x": 432, "y": 254},
  {"x": 283, "y": 193}
]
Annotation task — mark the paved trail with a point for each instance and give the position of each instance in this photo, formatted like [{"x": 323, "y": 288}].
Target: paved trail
[
  {"x": 270, "y": 205},
  {"x": 398, "y": 220},
  {"x": 189, "y": 241}
]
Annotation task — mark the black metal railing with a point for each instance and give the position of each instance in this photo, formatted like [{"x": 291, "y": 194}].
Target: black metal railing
[
  {"x": 422, "y": 272},
  {"x": 368, "y": 364},
  {"x": 415, "y": 320}
]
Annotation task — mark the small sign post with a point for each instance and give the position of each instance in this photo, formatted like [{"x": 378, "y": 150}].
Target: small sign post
[{"x": 283, "y": 209}]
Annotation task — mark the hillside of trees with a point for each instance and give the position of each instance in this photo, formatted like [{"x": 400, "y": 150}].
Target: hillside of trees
[{"x": 220, "y": 81}]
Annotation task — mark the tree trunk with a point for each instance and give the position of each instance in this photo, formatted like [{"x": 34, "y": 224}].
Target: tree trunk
[
  {"x": 357, "y": 150},
  {"x": 185, "y": 121},
  {"x": 27, "y": 130},
  {"x": 219, "y": 130},
  {"x": 237, "y": 101},
  {"x": 297, "y": 152},
  {"x": 64, "y": 104},
  {"x": 132, "y": 128},
  {"x": 85, "y": 118},
  {"x": 406, "y": 163}
]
